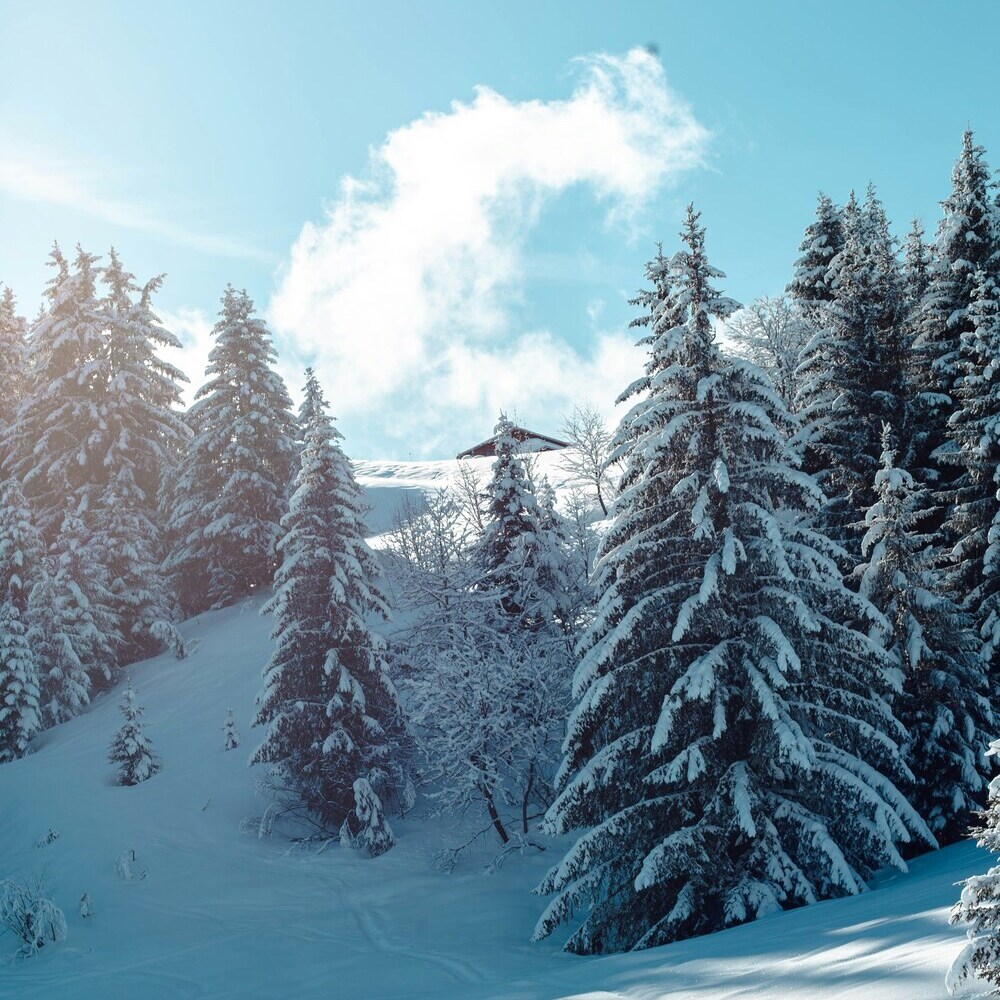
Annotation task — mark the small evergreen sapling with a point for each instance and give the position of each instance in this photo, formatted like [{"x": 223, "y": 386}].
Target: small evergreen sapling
[
  {"x": 231, "y": 733},
  {"x": 131, "y": 749}
]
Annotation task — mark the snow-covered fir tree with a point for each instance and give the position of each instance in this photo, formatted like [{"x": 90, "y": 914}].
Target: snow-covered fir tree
[
  {"x": 226, "y": 505},
  {"x": 731, "y": 752},
  {"x": 330, "y": 710},
  {"x": 128, "y": 545},
  {"x": 811, "y": 287},
  {"x": 966, "y": 246},
  {"x": 230, "y": 733},
  {"x": 55, "y": 448},
  {"x": 82, "y": 587},
  {"x": 852, "y": 371},
  {"x": 13, "y": 365},
  {"x": 20, "y": 560},
  {"x": 63, "y": 680},
  {"x": 944, "y": 706},
  {"x": 979, "y": 907},
  {"x": 144, "y": 436},
  {"x": 131, "y": 750},
  {"x": 522, "y": 555}
]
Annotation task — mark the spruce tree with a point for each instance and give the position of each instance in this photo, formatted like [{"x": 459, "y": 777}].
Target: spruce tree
[
  {"x": 853, "y": 370},
  {"x": 231, "y": 733},
  {"x": 13, "y": 366},
  {"x": 144, "y": 432},
  {"x": 811, "y": 287},
  {"x": 331, "y": 712},
  {"x": 82, "y": 586},
  {"x": 731, "y": 752},
  {"x": 131, "y": 749},
  {"x": 63, "y": 681},
  {"x": 944, "y": 705},
  {"x": 20, "y": 558},
  {"x": 227, "y": 503},
  {"x": 966, "y": 245},
  {"x": 973, "y": 523},
  {"x": 57, "y": 453}
]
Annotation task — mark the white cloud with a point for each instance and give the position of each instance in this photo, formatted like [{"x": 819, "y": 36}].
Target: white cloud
[
  {"x": 193, "y": 328},
  {"x": 400, "y": 295},
  {"x": 30, "y": 175}
]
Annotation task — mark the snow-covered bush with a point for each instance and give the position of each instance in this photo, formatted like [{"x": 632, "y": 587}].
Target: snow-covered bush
[
  {"x": 365, "y": 829},
  {"x": 30, "y": 914}
]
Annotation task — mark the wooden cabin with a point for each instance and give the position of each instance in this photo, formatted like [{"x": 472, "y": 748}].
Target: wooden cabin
[{"x": 531, "y": 442}]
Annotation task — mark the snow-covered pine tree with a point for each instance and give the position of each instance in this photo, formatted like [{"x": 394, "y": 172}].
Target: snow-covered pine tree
[
  {"x": 131, "y": 749},
  {"x": 144, "y": 436},
  {"x": 811, "y": 287},
  {"x": 966, "y": 244},
  {"x": 852, "y": 373},
  {"x": 13, "y": 366},
  {"x": 331, "y": 712},
  {"x": 144, "y": 431},
  {"x": 944, "y": 706},
  {"x": 978, "y": 906},
  {"x": 63, "y": 681},
  {"x": 230, "y": 494},
  {"x": 231, "y": 733},
  {"x": 523, "y": 554},
  {"x": 128, "y": 544},
  {"x": 20, "y": 559},
  {"x": 974, "y": 430},
  {"x": 56, "y": 445},
  {"x": 81, "y": 584},
  {"x": 731, "y": 752}
]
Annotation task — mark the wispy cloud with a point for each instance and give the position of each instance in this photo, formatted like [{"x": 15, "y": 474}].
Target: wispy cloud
[
  {"x": 401, "y": 295},
  {"x": 32, "y": 175}
]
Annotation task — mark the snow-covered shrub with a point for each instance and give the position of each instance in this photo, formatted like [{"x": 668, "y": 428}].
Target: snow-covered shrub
[
  {"x": 124, "y": 869},
  {"x": 30, "y": 914},
  {"x": 365, "y": 829}
]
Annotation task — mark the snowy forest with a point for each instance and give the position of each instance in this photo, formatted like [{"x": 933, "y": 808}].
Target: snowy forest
[{"x": 740, "y": 657}]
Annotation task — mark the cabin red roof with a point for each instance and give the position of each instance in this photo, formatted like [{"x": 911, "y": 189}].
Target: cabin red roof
[{"x": 532, "y": 441}]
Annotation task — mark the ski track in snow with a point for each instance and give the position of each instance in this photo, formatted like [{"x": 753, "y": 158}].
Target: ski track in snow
[{"x": 222, "y": 915}]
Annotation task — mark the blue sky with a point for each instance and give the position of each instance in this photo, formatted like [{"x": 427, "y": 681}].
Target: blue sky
[{"x": 452, "y": 276}]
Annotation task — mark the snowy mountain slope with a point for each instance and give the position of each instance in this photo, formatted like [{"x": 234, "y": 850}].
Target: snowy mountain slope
[{"x": 221, "y": 914}]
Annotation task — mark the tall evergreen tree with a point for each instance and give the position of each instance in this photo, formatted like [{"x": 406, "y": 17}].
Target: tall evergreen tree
[
  {"x": 944, "y": 706},
  {"x": 13, "y": 366},
  {"x": 853, "y": 370},
  {"x": 811, "y": 286},
  {"x": 82, "y": 585},
  {"x": 64, "y": 683},
  {"x": 974, "y": 519},
  {"x": 144, "y": 434},
  {"x": 20, "y": 558},
  {"x": 229, "y": 497},
  {"x": 727, "y": 756},
  {"x": 331, "y": 712},
  {"x": 966, "y": 245},
  {"x": 56, "y": 446}
]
